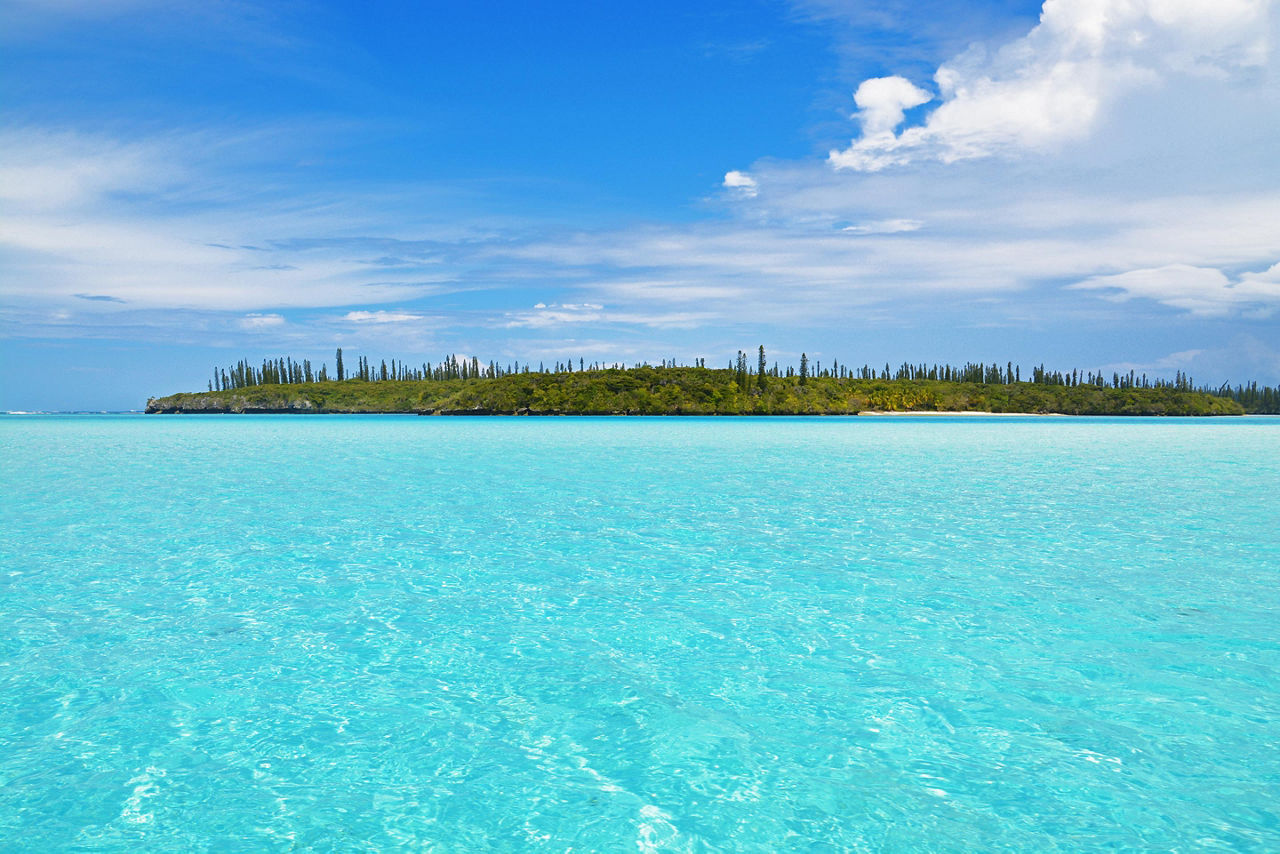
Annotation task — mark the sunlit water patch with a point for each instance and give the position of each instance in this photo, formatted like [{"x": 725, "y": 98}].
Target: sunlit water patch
[{"x": 639, "y": 634}]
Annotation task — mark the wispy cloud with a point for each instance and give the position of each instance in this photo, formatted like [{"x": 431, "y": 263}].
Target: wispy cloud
[
  {"x": 976, "y": 212},
  {"x": 1242, "y": 358},
  {"x": 381, "y": 317},
  {"x": 544, "y": 316},
  {"x": 181, "y": 221},
  {"x": 261, "y": 321},
  {"x": 1200, "y": 290},
  {"x": 885, "y": 226}
]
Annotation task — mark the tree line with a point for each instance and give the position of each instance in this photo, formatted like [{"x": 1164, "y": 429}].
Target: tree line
[{"x": 287, "y": 371}]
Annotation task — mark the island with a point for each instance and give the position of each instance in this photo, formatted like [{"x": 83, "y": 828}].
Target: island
[{"x": 686, "y": 390}]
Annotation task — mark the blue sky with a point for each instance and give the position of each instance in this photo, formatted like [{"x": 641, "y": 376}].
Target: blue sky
[{"x": 1089, "y": 184}]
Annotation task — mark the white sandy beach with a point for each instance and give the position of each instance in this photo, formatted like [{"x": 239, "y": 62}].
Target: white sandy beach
[{"x": 928, "y": 412}]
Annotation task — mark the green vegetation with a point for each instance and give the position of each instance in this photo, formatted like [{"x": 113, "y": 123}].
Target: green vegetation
[
  {"x": 285, "y": 371},
  {"x": 471, "y": 388}
]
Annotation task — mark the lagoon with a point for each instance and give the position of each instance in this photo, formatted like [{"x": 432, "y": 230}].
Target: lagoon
[{"x": 383, "y": 632}]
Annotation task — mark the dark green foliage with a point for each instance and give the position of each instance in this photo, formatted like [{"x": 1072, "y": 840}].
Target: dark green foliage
[
  {"x": 467, "y": 385},
  {"x": 645, "y": 390},
  {"x": 1254, "y": 398},
  {"x": 740, "y": 374}
]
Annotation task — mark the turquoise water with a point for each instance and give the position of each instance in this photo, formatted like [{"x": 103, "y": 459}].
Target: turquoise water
[{"x": 373, "y": 633}]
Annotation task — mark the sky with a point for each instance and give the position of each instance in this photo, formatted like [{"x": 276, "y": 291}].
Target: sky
[{"x": 1085, "y": 183}]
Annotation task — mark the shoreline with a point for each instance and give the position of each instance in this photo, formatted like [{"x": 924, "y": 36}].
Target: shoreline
[
  {"x": 866, "y": 413},
  {"x": 898, "y": 413},
  {"x": 473, "y": 413}
]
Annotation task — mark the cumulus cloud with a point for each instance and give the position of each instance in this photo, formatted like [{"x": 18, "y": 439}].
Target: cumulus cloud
[
  {"x": 1051, "y": 86},
  {"x": 883, "y": 102},
  {"x": 741, "y": 183},
  {"x": 1202, "y": 291}
]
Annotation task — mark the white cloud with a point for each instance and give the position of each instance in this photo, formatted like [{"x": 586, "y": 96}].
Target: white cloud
[
  {"x": 543, "y": 316},
  {"x": 261, "y": 321},
  {"x": 1243, "y": 357},
  {"x": 547, "y": 316},
  {"x": 1164, "y": 364},
  {"x": 885, "y": 226},
  {"x": 1200, "y": 290},
  {"x": 380, "y": 316},
  {"x": 1180, "y": 188},
  {"x": 1051, "y": 86},
  {"x": 883, "y": 101},
  {"x": 44, "y": 170},
  {"x": 1020, "y": 247},
  {"x": 741, "y": 183},
  {"x": 166, "y": 222}
]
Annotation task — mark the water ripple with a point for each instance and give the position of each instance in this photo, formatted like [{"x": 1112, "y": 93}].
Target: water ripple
[{"x": 641, "y": 634}]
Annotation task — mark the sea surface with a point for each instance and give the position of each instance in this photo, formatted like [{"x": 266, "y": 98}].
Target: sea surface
[{"x": 279, "y": 633}]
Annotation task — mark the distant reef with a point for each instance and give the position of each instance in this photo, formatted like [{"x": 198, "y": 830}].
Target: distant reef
[{"x": 688, "y": 391}]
